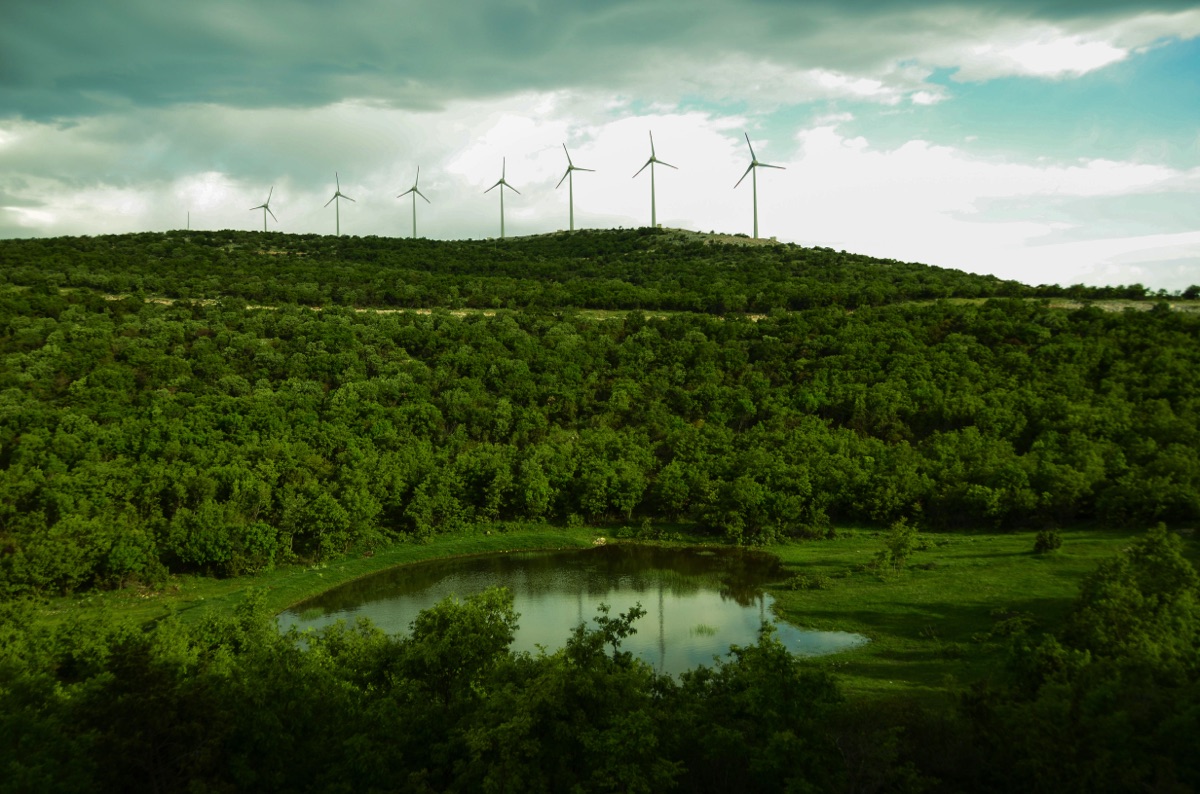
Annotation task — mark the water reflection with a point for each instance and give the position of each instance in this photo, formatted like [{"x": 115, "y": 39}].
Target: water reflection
[{"x": 697, "y": 601}]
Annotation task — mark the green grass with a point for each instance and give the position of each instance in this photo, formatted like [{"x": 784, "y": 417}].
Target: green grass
[
  {"x": 192, "y": 596},
  {"x": 923, "y": 621}
]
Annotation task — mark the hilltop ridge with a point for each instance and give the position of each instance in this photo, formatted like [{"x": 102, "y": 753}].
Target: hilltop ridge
[{"x": 621, "y": 269}]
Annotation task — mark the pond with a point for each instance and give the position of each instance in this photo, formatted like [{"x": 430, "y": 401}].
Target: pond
[{"x": 698, "y": 601}]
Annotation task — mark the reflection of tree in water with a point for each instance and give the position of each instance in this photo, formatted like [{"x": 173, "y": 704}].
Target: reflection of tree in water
[
  {"x": 744, "y": 576},
  {"x": 417, "y": 577},
  {"x": 741, "y": 595},
  {"x": 737, "y": 574}
]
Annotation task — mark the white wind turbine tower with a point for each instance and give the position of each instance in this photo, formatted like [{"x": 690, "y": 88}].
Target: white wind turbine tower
[
  {"x": 416, "y": 191},
  {"x": 265, "y": 207},
  {"x": 337, "y": 208},
  {"x": 752, "y": 170},
  {"x": 500, "y": 183},
  {"x": 653, "y": 159},
  {"x": 569, "y": 176}
]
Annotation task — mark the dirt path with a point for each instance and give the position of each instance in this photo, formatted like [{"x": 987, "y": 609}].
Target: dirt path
[{"x": 1066, "y": 304}]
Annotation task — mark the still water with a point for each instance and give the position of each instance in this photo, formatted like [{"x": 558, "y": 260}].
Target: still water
[{"x": 698, "y": 601}]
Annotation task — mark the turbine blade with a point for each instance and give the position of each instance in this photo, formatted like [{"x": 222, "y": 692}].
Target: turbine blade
[
  {"x": 348, "y": 198},
  {"x": 752, "y": 157},
  {"x": 513, "y": 189},
  {"x": 327, "y": 203},
  {"x": 566, "y": 174},
  {"x": 643, "y": 168},
  {"x": 418, "y": 179},
  {"x": 338, "y": 181},
  {"x": 422, "y": 195},
  {"x": 746, "y": 173},
  {"x": 593, "y": 170},
  {"x": 272, "y": 193},
  {"x": 493, "y": 187},
  {"x": 268, "y": 209},
  {"x": 405, "y": 193},
  {"x": 652, "y": 145},
  {"x": 768, "y": 165},
  {"x": 668, "y": 165}
]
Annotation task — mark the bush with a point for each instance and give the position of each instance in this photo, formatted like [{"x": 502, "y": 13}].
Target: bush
[
  {"x": 804, "y": 581},
  {"x": 1047, "y": 540},
  {"x": 898, "y": 545}
]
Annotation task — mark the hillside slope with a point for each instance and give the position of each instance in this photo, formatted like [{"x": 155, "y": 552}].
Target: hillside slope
[
  {"x": 138, "y": 437},
  {"x": 649, "y": 269}
]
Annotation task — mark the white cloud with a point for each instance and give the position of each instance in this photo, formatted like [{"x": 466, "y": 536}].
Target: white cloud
[
  {"x": 1052, "y": 56},
  {"x": 917, "y": 201},
  {"x": 207, "y": 192},
  {"x": 924, "y": 203},
  {"x": 765, "y": 81},
  {"x": 1025, "y": 48}
]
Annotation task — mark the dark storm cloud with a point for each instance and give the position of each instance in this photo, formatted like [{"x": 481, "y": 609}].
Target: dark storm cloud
[{"x": 63, "y": 58}]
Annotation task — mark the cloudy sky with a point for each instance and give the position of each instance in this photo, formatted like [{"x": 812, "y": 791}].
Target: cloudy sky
[{"x": 1052, "y": 141}]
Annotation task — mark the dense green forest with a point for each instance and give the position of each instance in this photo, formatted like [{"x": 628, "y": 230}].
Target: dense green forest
[
  {"x": 223, "y": 403},
  {"x": 138, "y": 438}
]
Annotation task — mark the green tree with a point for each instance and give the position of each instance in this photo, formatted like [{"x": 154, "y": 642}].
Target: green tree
[
  {"x": 456, "y": 644},
  {"x": 1103, "y": 706},
  {"x": 899, "y": 543},
  {"x": 1142, "y": 607},
  {"x": 757, "y": 721}
]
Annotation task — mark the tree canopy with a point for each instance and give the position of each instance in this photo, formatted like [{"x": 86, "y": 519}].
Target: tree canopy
[{"x": 139, "y": 437}]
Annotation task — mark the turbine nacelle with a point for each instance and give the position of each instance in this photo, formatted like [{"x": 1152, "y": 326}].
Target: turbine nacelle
[
  {"x": 265, "y": 207},
  {"x": 501, "y": 183},
  {"x": 416, "y": 191},
  {"x": 754, "y": 163},
  {"x": 653, "y": 159},
  {"x": 570, "y": 167},
  {"x": 338, "y": 194}
]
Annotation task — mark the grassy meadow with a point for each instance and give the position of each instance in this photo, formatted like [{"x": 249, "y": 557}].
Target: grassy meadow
[{"x": 929, "y": 622}]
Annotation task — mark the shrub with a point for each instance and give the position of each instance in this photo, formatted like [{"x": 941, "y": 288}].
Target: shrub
[
  {"x": 1047, "y": 540},
  {"x": 804, "y": 581}
]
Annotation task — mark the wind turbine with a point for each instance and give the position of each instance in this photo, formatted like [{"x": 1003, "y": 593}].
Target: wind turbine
[
  {"x": 337, "y": 208},
  {"x": 500, "y": 183},
  {"x": 653, "y": 159},
  {"x": 570, "y": 177},
  {"x": 752, "y": 170},
  {"x": 265, "y": 207},
  {"x": 416, "y": 191}
]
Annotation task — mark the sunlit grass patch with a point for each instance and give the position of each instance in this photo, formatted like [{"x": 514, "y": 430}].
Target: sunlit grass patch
[{"x": 924, "y": 620}]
